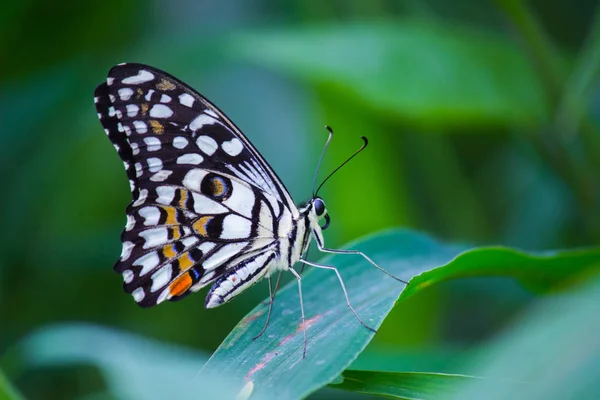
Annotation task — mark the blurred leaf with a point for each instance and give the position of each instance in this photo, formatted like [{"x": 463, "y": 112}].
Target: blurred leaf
[
  {"x": 7, "y": 391},
  {"x": 430, "y": 72},
  {"x": 134, "y": 367},
  {"x": 555, "y": 345},
  {"x": 402, "y": 385},
  {"x": 335, "y": 338},
  {"x": 541, "y": 272}
]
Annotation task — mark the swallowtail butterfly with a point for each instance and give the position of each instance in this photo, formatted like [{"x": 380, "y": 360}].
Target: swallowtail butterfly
[{"x": 206, "y": 207}]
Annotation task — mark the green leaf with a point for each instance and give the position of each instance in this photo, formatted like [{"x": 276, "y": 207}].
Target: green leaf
[
  {"x": 402, "y": 385},
  {"x": 134, "y": 367},
  {"x": 7, "y": 391},
  {"x": 273, "y": 362},
  {"x": 554, "y": 346},
  {"x": 430, "y": 73}
]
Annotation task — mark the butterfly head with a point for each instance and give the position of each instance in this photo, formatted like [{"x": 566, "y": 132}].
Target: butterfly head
[{"x": 320, "y": 211}]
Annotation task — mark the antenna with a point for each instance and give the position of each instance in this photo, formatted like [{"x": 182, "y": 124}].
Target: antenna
[
  {"x": 366, "y": 142},
  {"x": 321, "y": 158}
]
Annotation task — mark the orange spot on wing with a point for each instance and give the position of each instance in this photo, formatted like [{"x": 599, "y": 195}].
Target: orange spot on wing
[
  {"x": 169, "y": 251},
  {"x": 176, "y": 232},
  {"x": 201, "y": 225},
  {"x": 165, "y": 84},
  {"x": 156, "y": 126},
  {"x": 171, "y": 216},
  {"x": 183, "y": 195},
  {"x": 185, "y": 261},
  {"x": 144, "y": 108},
  {"x": 180, "y": 285}
]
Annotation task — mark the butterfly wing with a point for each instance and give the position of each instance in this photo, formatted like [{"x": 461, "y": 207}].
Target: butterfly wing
[{"x": 204, "y": 200}]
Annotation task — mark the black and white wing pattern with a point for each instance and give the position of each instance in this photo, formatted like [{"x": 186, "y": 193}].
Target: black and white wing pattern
[{"x": 205, "y": 204}]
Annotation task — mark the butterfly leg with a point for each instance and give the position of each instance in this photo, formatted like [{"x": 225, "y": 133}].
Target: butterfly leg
[
  {"x": 299, "y": 278},
  {"x": 272, "y": 294},
  {"x": 357, "y": 252},
  {"x": 343, "y": 288}
]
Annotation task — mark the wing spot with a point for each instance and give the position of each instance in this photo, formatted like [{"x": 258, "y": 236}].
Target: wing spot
[
  {"x": 157, "y": 127},
  {"x": 160, "y": 111},
  {"x": 233, "y": 147},
  {"x": 180, "y": 142},
  {"x": 140, "y": 127},
  {"x": 141, "y": 77},
  {"x": 190, "y": 158},
  {"x": 186, "y": 100},
  {"x": 165, "y": 84},
  {"x": 201, "y": 225},
  {"x": 152, "y": 143},
  {"x": 180, "y": 285},
  {"x": 207, "y": 144}
]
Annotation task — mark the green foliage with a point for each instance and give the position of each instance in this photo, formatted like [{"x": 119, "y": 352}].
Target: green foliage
[
  {"x": 274, "y": 363},
  {"x": 402, "y": 385},
  {"x": 483, "y": 126}
]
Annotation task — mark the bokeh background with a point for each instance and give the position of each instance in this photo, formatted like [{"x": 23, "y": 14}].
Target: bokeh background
[{"x": 483, "y": 125}]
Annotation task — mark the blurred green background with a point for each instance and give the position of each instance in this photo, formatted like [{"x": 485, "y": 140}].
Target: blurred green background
[{"x": 483, "y": 120}]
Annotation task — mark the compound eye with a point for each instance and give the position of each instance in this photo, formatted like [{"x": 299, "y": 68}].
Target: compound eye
[{"x": 319, "y": 207}]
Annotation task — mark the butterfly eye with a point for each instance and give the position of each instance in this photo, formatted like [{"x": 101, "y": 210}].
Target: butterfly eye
[{"x": 319, "y": 207}]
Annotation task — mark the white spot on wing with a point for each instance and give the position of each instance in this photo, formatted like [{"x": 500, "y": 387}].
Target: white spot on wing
[
  {"x": 186, "y": 99},
  {"x": 138, "y": 169},
  {"x": 241, "y": 199},
  {"x": 134, "y": 149},
  {"x": 148, "y": 95},
  {"x": 141, "y": 77},
  {"x": 152, "y": 143},
  {"x": 150, "y": 214},
  {"x": 138, "y": 294},
  {"x": 180, "y": 142},
  {"x": 222, "y": 255},
  {"x": 161, "y": 175},
  {"x": 143, "y": 195},
  {"x": 140, "y": 127},
  {"x": 165, "y": 98},
  {"x": 130, "y": 223},
  {"x": 193, "y": 178},
  {"x": 233, "y": 147},
  {"x": 109, "y": 81},
  {"x": 207, "y": 144},
  {"x": 190, "y": 158},
  {"x": 235, "y": 227},
  {"x": 132, "y": 110},
  {"x": 148, "y": 262},
  {"x": 160, "y": 111},
  {"x": 154, "y": 164},
  {"x": 125, "y": 93},
  {"x": 166, "y": 194},
  {"x": 154, "y": 237},
  {"x": 200, "y": 121},
  {"x": 161, "y": 277},
  {"x": 128, "y": 276},
  {"x": 126, "y": 250},
  {"x": 204, "y": 205}
]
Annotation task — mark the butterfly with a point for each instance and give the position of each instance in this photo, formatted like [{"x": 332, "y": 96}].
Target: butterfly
[{"x": 207, "y": 208}]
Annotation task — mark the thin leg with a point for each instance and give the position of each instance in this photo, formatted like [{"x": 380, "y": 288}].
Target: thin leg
[
  {"x": 272, "y": 294},
  {"x": 343, "y": 288},
  {"x": 305, "y": 254},
  {"x": 357, "y": 252},
  {"x": 297, "y": 275}
]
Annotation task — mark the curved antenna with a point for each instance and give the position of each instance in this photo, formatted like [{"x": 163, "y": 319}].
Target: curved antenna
[
  {"x": 321, "y": 158},
  {"x": 366, "y": 142}
]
